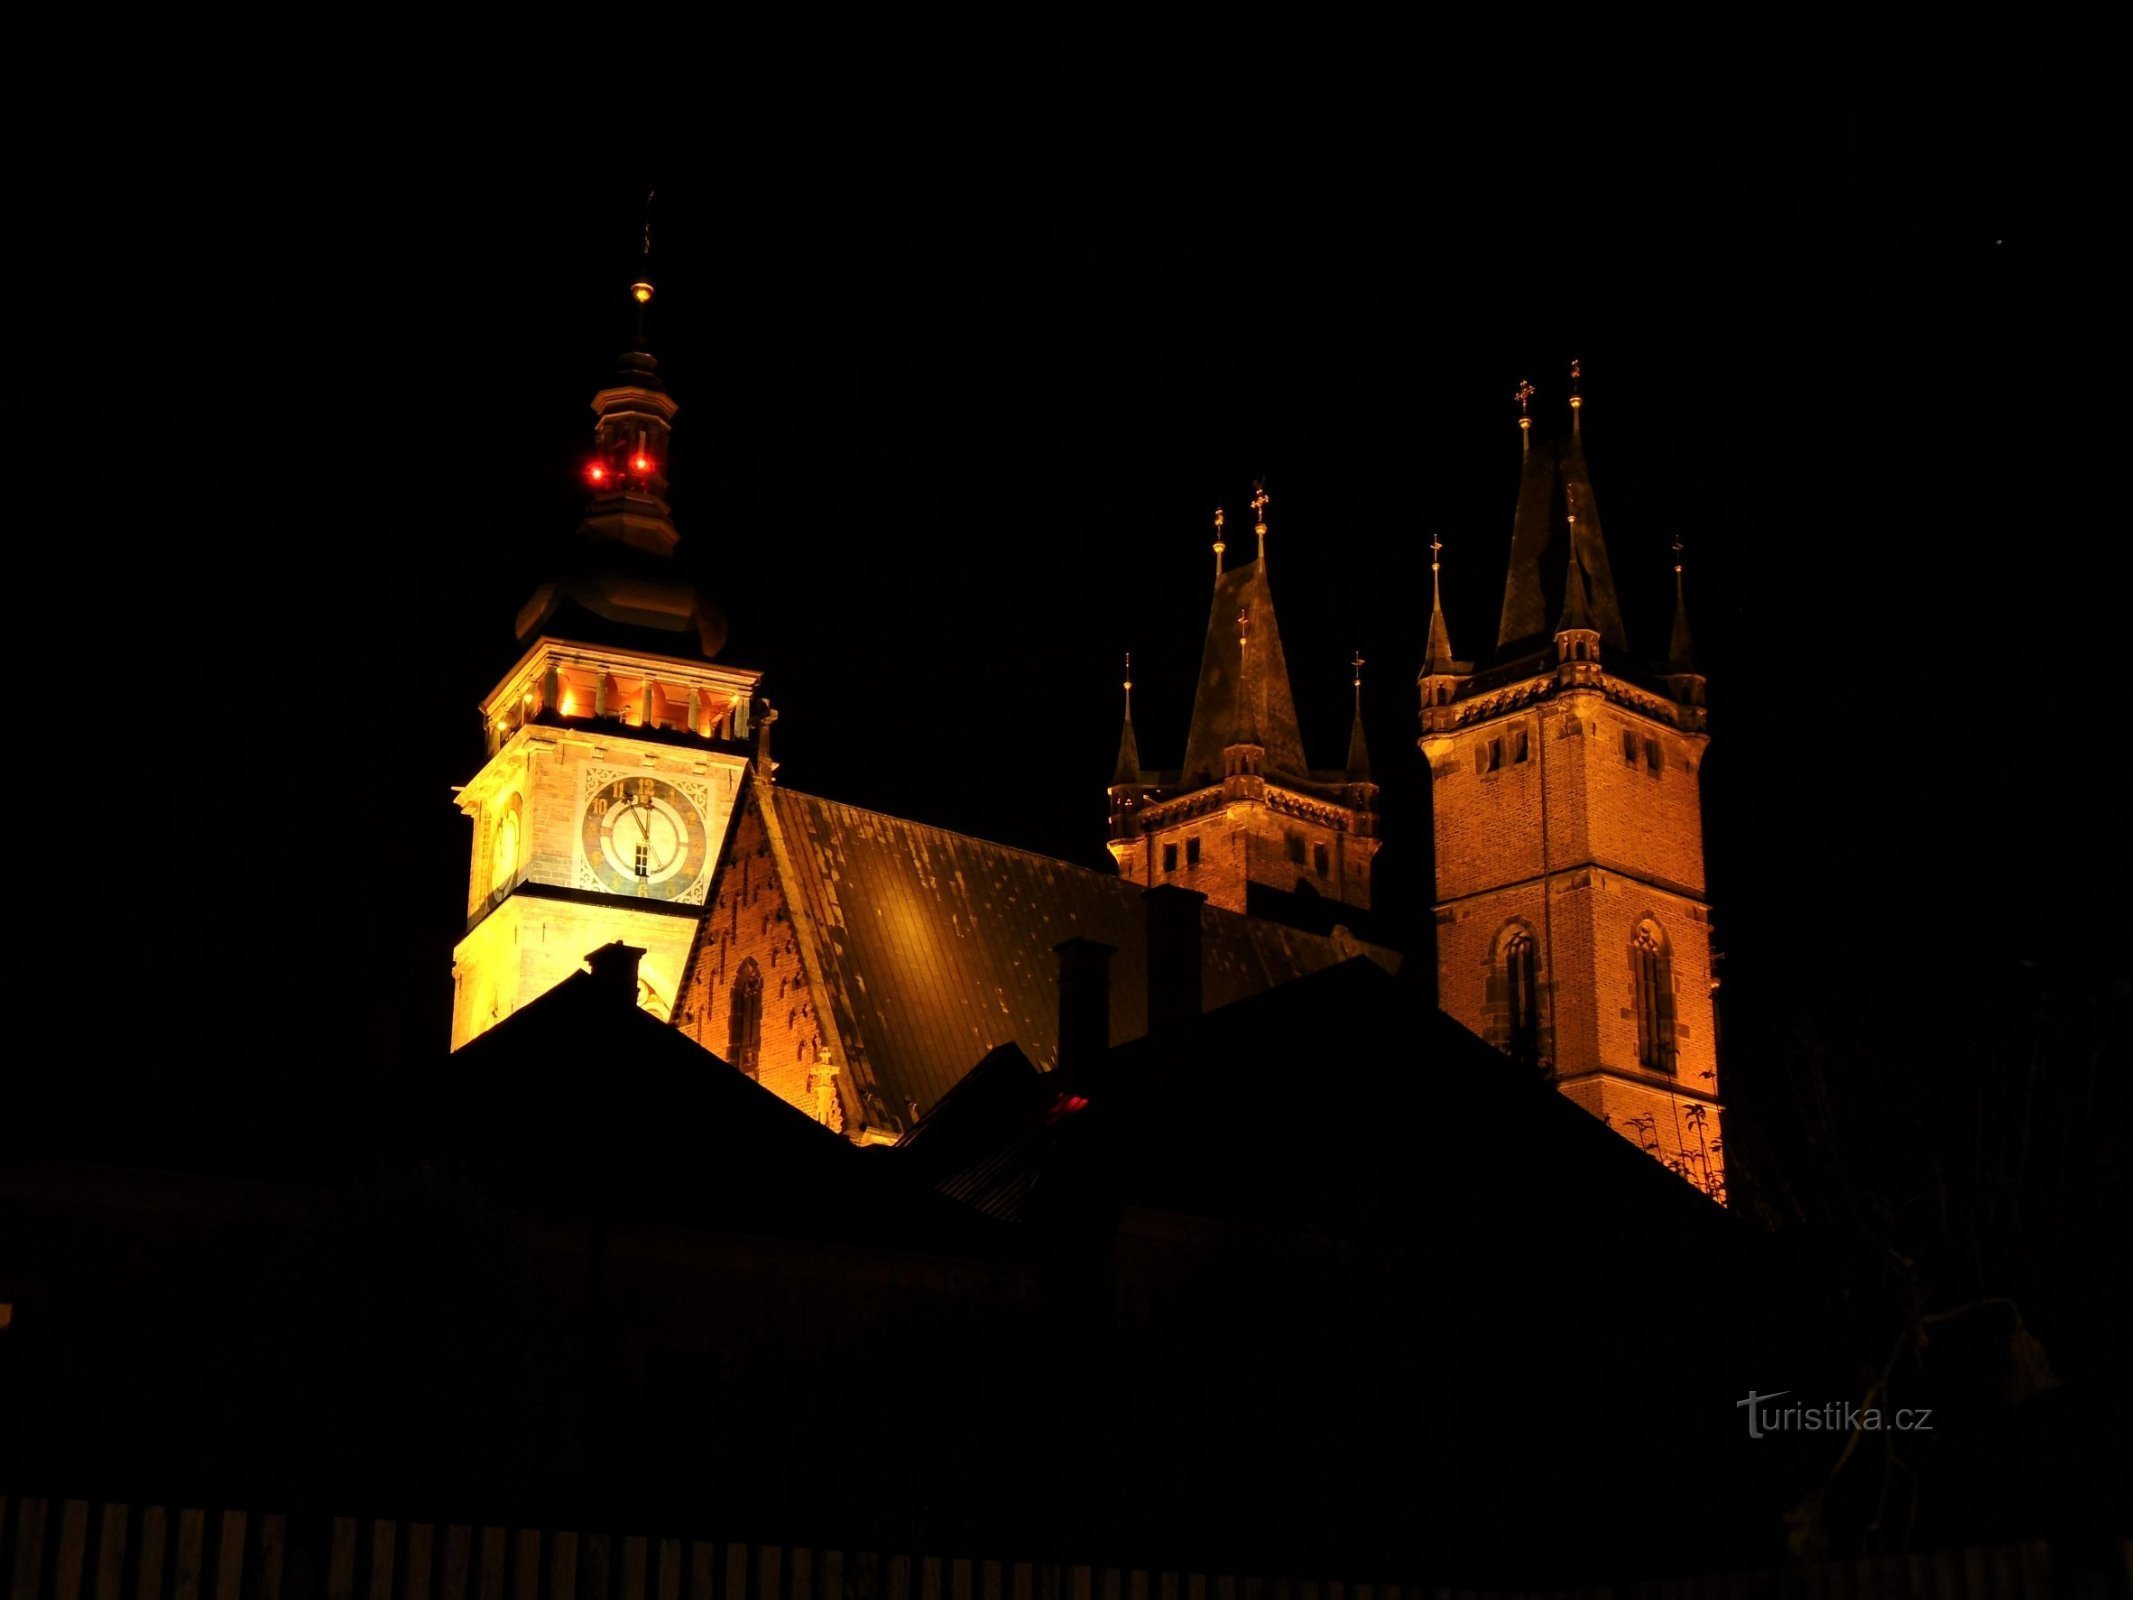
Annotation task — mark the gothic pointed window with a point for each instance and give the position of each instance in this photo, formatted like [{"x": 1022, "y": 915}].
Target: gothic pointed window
[
  {"x": 744, "y": 1027},
  {"x": 1521, "y": 998},
  {"x": 1652, "y": 972}
]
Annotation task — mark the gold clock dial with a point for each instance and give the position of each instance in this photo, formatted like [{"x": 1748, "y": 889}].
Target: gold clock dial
[{"x": 643, "y": 836}]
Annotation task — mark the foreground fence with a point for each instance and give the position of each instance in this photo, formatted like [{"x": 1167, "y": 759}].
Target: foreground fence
[{"x": 83, "y": 1550}]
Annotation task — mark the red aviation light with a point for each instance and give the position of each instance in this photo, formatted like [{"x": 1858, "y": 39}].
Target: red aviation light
[
  {"x": 596, "y": 473},
  {"x": 643, "y": 463}
]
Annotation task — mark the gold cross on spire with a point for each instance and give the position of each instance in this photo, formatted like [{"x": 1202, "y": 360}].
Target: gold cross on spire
[
  {"x": 1129, "y": 685},
  {"x": 1677, "y": 555},
  {"x": 1260, "y": 501},
  {"x": 1436, "y": 552},
  {"x": 1356, "y": 661},
  {"x": 1523, "y": 394},
  {"x": 1220, "y": 544},
  {"x": 1577, "y": 404}
]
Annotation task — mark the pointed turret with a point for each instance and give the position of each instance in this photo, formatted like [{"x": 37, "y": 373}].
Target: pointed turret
[
  {"x": 1681, "y": 649},
  {"x": 1358, "y": 750},
  {"x": 1438, "y": 662},
  {"x": 1683, "y": 677},
  {"x": 1127, "y": 774}
]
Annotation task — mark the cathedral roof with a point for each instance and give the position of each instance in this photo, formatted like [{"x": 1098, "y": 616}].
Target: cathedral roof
[
  {"x": 1555, "y": 472},
  {"x": 934, "y": 948},
  {"x": 1261, "y": 701}
]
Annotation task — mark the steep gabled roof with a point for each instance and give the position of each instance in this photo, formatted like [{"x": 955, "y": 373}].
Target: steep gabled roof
[
  {"x": 1262, "y": 700},
  {"x": 932, "y": 948}
]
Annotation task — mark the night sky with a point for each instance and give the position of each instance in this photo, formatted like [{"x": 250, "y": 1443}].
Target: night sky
[{"x": 960, "y": 389}]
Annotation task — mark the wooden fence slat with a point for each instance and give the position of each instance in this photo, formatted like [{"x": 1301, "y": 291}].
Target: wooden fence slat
[
  {"x": 670, "y": 1569},
  {"x": 1081, "y": 1583},
  {"x": 592, "y": 1567},
  {"x": 148, "y": 1575},
  {"x": 267, "y": 1560},
  {"x": 458, "y": 1545},
  {"x": 29, "y": 1548},
  {"x": 929, "y": 1578},
  {"x": 2035, "y": 1559},
  {"x": 384, "y": 1534},
  {"x": 110, "y": 1552},
  {"x": 803, "y": 1574},
  {"x": 526, "y": 1569},
  {"x": 229, "y": 1556},
  {"x": 192, "y": 1542},
  {"x": 633, "y": 1567},
  {"x": 989, "y": 1576},
  {"x": 421, "y": 1554},
  {"x": 899, "y": 1578},
  {"x": 1022, "y": 1582},
  {"x": 73, "y": 1547},
  {"x": 341, "y": 1565},
  {"x": 833, "y": 1575},
  {"x": 959, "y": 1579},
  {"x": 563, "y": 1567},
  {"x": 769, "y": 1565},
  {"x": 700, "y": 1569},
  {"x": 1137, "y": 1585},
  {"x": 736, "y": 1573},
  {"x": 492, "y": 1563}
]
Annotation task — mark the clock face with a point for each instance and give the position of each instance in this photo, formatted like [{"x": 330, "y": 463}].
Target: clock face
[{"x": 644, "y": 837}]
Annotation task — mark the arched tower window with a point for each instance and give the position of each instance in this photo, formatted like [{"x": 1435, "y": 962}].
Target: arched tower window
[
  {"x": 744, "y": 1030},
  {"x": 1653, "y": 974},
  {"x": 1521, "y": 997}
]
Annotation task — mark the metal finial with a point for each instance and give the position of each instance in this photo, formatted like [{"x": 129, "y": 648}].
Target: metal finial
[
  {"x": 1356, "y": 661},
  {"x": 1677, "y": 555},
  {"x": 1220, "y": 544},
  {"x": 1524, "y": 395},
  {"x": 1129, "y": 685},
  {"x": 641, "y": 290},
  {"x": 1260, "y": 501},
  {"x": 1577, "y": 371}
]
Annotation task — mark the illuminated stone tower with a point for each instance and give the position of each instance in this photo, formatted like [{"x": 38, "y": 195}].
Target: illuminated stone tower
[
  {"x": 616, "y": 746},
  {"x": 1572, "y": 929},
  {"x": 1244, "y": 821}
]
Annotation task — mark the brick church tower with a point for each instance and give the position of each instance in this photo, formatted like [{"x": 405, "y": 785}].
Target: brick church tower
[
  {"x": 1245, "y": 821},
  {"x": 1572, "y": 929},
  {"x": 615, "y": 744}
]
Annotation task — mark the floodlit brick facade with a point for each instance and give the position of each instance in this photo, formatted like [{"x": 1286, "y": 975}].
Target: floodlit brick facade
[{"x": 1572, "y": 925}]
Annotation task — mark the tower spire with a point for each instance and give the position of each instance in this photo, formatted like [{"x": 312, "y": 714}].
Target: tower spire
[
  {"x": 1260, "y": 501},
  {"x": 1220, "y": 544},
  {"x": 1577, "y": 403},
  {"x": 1128, "y": 770},
  {"x": 1681, "y": 649},
  {"x": 1358, "y": 750},
  {"x": 1438, "y": 661},
  {"x": 1247, "y": 725},
  {"x": 1577, "y": 616},
  {"x": 1524, "y": 395}
]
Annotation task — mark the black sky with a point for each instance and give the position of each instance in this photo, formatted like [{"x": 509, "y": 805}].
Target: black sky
[{"x": 960, "y": 388}]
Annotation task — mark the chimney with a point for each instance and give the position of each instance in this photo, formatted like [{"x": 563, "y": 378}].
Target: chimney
[
  {"x": 614, "y": 970},
  {"x": 1084, "y": 1008},
  {"x": 1173, "y": 919}
]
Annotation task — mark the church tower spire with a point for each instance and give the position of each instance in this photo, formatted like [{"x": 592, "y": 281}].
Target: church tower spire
[
  {"x": 1128, "y": 770},
  {"x": 1569, "y": 832},
  {"x": 615, "y": 745},
  {"x": 1682, "y": 673},
  {"x": 1358, "y": 749},
  {"x": 1245, "y": 819}
]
